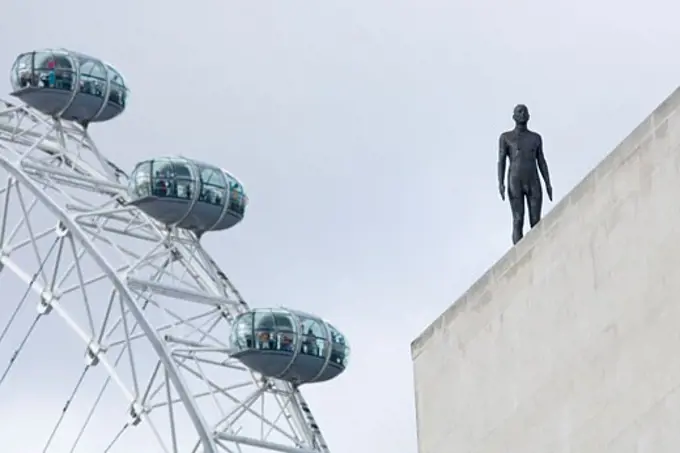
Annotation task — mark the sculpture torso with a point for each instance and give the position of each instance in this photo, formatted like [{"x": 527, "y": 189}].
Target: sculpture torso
[{"x": 522, "y": 148}]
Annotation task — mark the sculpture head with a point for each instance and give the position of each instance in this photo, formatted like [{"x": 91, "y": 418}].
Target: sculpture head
[{"x": 521, "y": 114}]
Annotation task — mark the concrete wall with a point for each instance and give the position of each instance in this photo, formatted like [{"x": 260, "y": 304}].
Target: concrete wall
[{"x": 571, "y": 342}]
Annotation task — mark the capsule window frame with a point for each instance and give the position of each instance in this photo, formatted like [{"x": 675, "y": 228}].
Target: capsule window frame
[
  {"x": 212, "y": 192},
  {"x": 290, "y": 318},
  {"x": 287, "y": 335},
  {"x": 188, "y": 180},
  {"x": 169, "y": 175},
  {"x": 339, "y": 344},
  {"x": 259, "y": 332},
  {"x": 98, "y": 65},
  {"x": 321, "y": 343},
  {"x": 156, "y": 178},
  {"x": 43, "y": 57},
  {"x": 269, "y": 335},
  {"x": 62, "y": 77},
  {"x": 116, "y": 87},
  {"x": 245, "y": 342},
  {"x": 134, "y": 179},
  {"x": 114, "y": 74},
  {"x": 348, "y": 353},
  {"x": 236, "y": 196},
  {"x": 315, "y": 322},
  {"x": 23, "y": 69}
]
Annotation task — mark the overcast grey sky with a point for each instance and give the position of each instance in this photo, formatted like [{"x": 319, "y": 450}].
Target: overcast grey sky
[{"x": 365, "y": 133}]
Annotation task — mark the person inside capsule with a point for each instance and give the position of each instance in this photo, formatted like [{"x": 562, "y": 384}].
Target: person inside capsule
[
  {"x": 272, "y": 329},
  {"x": 160, "y": 184},
  {"x": 55, "y": 71},
  {"x": 309, "y": 346}
]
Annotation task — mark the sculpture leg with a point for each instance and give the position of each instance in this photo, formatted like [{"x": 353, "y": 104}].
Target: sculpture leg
[
  {"x": 535, "y": 199},
  {"x": 517, "y": 207}
]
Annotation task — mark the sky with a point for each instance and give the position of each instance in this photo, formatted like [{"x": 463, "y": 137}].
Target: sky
[{"x": 365, "y": 133}]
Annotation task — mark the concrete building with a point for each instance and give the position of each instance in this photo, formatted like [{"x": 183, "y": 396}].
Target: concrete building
[{"x": 571, "y": 342}]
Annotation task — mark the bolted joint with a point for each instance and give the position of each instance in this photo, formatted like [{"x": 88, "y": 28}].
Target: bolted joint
[
  {"x": 45, "y": 305},
  {"x": 137, "y": 410},
  {"x": 93, "y": 353},
  {"x": 61, "y": 230},
  {"x": 175, "y": 255},
  {"x": 225, "y": 313}
]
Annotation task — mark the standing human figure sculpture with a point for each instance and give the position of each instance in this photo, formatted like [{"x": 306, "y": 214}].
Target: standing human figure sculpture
[{"x": 524, "y": 149}]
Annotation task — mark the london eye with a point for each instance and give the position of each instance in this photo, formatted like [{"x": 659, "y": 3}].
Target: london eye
[{"x": 110, "y": 301}]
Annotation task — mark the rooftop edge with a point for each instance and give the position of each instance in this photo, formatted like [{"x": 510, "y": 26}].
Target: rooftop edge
[{"x": 625, "y": 149}]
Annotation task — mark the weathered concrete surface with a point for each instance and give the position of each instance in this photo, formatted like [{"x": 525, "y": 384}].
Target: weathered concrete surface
[{"x": 571, "y": 343}]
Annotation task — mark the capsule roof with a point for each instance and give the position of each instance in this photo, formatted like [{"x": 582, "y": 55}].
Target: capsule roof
[
  {"x": 289, "y": 345},
  {"x": 188, "y": 194},
  {"x": 69, "y": 85}
]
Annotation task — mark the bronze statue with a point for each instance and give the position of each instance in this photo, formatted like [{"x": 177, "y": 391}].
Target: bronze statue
[{"x": 524, "y": 149}]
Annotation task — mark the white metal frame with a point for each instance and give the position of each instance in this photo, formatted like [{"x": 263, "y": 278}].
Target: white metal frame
[{"x": 165, "y": 293}]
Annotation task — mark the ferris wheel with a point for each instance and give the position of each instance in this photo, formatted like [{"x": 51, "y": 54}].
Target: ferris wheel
[{"x": 115, "y": 321}]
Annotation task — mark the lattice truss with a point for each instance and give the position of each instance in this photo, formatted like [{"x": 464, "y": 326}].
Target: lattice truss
[{"x": 121, "y": 324}]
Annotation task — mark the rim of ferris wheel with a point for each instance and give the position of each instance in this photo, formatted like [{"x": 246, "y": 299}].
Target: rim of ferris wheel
[
  {"x": 169, "y": 308},
  {"x": 69, "y": 85},
  {"x": 290, "y": 345},
  {"x": 186, "y": 193},
  {"x": 126, "y": 297}
]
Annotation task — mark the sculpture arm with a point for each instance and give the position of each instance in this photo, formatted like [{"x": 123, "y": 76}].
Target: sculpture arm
[
  {"x": 502, "y": 159},
  {"x": 542, "y": 164}
]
